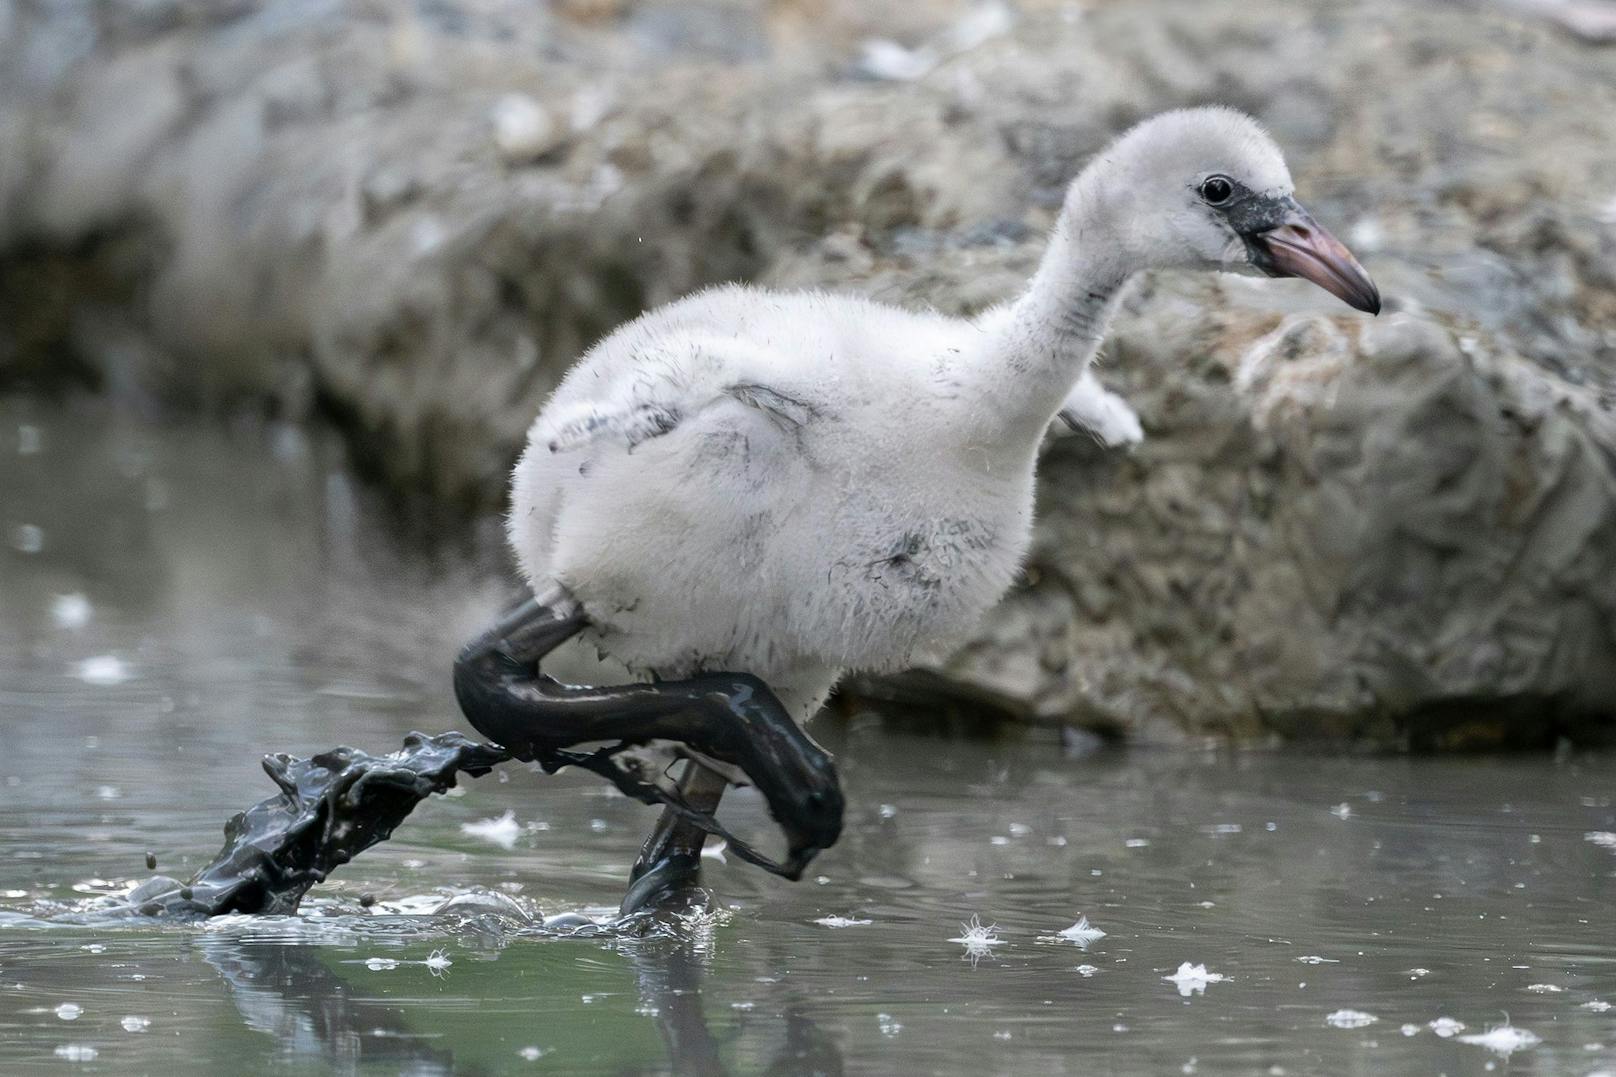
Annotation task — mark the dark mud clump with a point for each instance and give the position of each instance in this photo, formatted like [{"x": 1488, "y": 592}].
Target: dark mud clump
[{"x": 331, "y": 807}]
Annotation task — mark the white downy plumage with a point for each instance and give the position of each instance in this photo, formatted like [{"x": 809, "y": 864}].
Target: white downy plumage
[{"x": 794, "y": 485}]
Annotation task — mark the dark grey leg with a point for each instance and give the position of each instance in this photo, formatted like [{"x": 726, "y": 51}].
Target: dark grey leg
[
  {"x": 732, "y": 717},
  {"x": 670, "y": 861}
]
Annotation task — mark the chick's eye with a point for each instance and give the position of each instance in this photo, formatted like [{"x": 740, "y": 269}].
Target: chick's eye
[{"x": 1216, "y": 190}]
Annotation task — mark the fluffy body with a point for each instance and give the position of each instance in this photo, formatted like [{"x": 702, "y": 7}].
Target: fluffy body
[
  {"x": 809, "y": 506},
  {"x": 798, "y": 484}
]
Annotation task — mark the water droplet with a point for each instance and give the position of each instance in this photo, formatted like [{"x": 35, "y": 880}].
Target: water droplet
[
  {"x": 70, "y": 611},
  {"x": 27, "y": 538},
  {"x": 102, "y": 670}
]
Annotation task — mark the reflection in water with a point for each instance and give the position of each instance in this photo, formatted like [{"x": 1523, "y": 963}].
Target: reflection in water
[
  {"x": 670, "y": 983},
  {"x": 287, "y": 991},
  {"x": 670, "y": 977},
  {"x": 807, "y": 1051}
]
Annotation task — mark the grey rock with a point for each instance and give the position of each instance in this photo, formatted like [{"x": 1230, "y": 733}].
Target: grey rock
[{"x": 1401, "y": 531}]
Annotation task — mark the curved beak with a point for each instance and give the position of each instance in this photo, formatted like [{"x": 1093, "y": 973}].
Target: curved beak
[{"x": 1297, "y": 246}]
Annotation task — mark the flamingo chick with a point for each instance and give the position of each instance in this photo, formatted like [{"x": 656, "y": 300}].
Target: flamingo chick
[{"x": 746, "y": 493}]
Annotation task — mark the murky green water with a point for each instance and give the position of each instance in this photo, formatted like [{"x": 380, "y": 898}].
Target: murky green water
[{"x": 175, "y": 603}]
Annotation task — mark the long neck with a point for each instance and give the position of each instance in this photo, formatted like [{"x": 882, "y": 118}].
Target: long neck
[{"x": 1045, "y": 339}]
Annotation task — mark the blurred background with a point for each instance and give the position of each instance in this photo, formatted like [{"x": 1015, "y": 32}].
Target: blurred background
[
  {"x": 402, "y": 221},
  {"x": 283, "y": 283}
]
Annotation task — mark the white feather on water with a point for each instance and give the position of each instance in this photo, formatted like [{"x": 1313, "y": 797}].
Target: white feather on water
[
  {"x": 976, "y": 933},
  {"x": 1350, "y": 1019},
  {"x": 978, "y": 938},
  {"x": 436, "y": 963},
  {"x": 1083, "y": 933},
  {"x": 502, "y": 831},
  {"x": 1504, "y": 1040},
  {"x": 1193, "y": 979}
]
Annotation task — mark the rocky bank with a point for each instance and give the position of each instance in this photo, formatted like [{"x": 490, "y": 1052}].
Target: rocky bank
[{"x": 408, "y": 219}]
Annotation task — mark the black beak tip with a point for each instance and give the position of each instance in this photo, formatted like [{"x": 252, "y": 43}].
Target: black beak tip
[
  {"x": 1370, "y": 303},
  {"x": 797, "y": 860}
]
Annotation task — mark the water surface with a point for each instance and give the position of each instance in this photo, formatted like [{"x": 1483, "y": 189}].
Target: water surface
[{"x": 175, "y": 602}]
